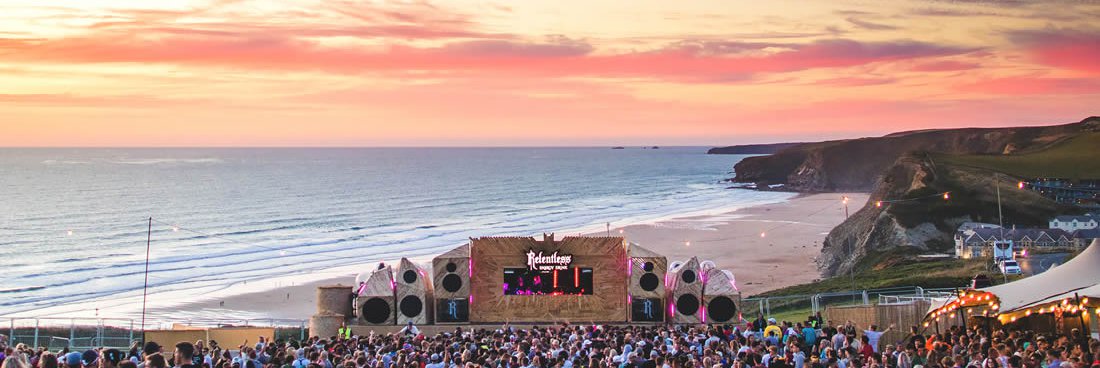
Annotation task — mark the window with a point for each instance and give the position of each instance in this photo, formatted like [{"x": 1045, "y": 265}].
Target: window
[{"x": 568, "y": 281}]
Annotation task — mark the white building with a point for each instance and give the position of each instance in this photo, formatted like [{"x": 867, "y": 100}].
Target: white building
[{"x": 1074, "y": 223}]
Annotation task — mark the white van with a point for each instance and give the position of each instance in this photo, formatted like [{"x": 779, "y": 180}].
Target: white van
[{"x": 1010, "y": 267}]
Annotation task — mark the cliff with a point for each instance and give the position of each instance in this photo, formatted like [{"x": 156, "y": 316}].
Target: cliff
[
  {"x": 856, "y": 164},
  {"x": 751, "y": 149},
  {"x": 916, "y": 219}
]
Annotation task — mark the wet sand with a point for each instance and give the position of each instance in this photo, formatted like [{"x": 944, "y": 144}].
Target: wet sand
[{"x": 767, "y": 247}]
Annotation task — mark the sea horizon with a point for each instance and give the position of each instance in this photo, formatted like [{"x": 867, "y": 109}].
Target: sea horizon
[{"x": 312, "y": 214}]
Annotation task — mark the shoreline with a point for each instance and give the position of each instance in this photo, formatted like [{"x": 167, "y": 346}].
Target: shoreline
[{"x": 784, "y": 256}]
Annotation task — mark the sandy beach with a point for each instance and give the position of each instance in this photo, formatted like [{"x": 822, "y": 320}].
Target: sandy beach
[{"x": 767, "y": 247}]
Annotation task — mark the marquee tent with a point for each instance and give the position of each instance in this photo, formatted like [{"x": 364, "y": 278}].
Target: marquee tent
[{"x": 1062, "y": 285}]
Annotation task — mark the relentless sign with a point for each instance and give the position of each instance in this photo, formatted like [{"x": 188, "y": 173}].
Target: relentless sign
[{"x": 540, "y": 262}]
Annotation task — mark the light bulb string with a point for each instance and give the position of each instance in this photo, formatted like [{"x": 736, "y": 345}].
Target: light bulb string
[{"x": 899, "y": 200}]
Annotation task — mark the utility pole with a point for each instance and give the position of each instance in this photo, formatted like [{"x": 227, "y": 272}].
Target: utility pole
[
  {"x": 852, "y": 270},
  {"x": 145, "y": 290},
  {"x": 845, "y": 206},
  {"x": 1000, "y": 215},
  {"x": 1000, "y": 220}
]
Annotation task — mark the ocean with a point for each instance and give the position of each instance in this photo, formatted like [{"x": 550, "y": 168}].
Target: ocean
[{"x": 73, "y": 222}]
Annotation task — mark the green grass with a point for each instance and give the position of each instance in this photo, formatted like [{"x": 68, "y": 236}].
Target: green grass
[
  {"x": 894, "y": 269},
  {"x": 1074, "y": 158}
]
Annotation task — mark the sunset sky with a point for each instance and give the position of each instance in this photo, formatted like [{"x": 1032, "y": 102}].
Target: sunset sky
[{"x": 534, "y": 72}]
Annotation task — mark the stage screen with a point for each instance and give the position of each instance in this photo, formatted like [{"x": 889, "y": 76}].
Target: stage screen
[{"x": 568, "y": 281}]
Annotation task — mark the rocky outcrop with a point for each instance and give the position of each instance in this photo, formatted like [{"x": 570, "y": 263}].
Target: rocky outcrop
[
  {"x": 751, "y": 149},
  {"x": 856, "y": 164},
  {"x": 873, "y": 228},
  {"x": 914, "y": 217}
]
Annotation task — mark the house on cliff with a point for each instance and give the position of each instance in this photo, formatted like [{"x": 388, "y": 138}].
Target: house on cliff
[{"x": 979, "y": 242}]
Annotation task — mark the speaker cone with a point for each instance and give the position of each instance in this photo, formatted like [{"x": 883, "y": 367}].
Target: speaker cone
[
  {"x": 452, "y": 283},
  {"x": 688, "y": 276},
  {"x": 721, "y": 309},
  {"x": 451, "y": 267},
  {"x": 411, "y": 306},
  {"x": 376, "y": 310},
  {"x": 409, "y": 276},
  {"x": 649, "y": 282},
  {"x": 687, "y": 304}
]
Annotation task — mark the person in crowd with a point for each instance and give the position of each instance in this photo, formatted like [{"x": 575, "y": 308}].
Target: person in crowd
[
  {"x": 184, "y": 355},
  {"x": 777, "y": 345},
  {"x": 156, "y": 360},
  {"x": 15, "y": 360},
  {"x": 109, "y": 358},
  {"x": 73, "y": 360}
]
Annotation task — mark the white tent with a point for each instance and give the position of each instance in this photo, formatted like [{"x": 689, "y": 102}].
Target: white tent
[{"x": 1080, "y": 273}]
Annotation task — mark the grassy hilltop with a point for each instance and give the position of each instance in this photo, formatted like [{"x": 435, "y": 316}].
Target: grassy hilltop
[{"x": 907, "y": 171}]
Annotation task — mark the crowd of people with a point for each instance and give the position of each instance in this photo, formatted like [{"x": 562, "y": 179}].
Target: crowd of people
[{"x": 760, "y": 343}]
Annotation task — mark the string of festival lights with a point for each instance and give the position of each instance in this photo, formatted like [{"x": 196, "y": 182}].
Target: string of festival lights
[
  {"x": 944, "y": 195},
  {"x": 966, "y": 302}
]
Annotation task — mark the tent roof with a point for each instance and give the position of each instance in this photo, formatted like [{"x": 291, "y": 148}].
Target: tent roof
[
  {"x": 1078, "y": 273},
  {"x": 1091, "y": 292}
]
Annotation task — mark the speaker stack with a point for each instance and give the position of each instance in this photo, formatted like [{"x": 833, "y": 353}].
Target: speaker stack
[
  {"x": 721, "y": 299},
  {"x": 414, "y": 294},
  {"x": 374, "y": 304},
  {"x": 685, "y": 288},
  {"x": 646, "y": 290},
  {"x": 451, "y": 281}
]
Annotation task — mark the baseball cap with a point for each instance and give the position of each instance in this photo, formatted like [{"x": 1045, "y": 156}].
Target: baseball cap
[
  {"x": 435, "y": 357},
  {"x": 89, "y": 357},
  {"x": 151, "y": 348},
  {"x": 73, "y": 358}
]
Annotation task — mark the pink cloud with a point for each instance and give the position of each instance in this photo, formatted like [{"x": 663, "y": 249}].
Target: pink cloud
[
  {"x": 854, "y": 81},
  {"x": 554, "y": 56},
  {"x": 1034, "y": 85},
  {"x": 1074, "y": 50},
  {"x": 944, "y": 66}
]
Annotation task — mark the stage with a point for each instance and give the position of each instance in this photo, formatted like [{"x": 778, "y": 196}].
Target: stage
[{"x": 526, "y": 281}]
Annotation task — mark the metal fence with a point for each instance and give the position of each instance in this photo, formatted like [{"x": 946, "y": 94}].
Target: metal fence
[
  {"x": 82, "y": 333},
  {"x": 88, "y": 333},
  {"x": 798, "y": 307}
]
